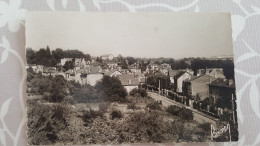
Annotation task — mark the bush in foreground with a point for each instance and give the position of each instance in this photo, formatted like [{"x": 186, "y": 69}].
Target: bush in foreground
[
  {"x": 46, "y": 122},
  {"x": 154, "y": 106},
  {"x": 91, "y": 114},
  {"x": 115, "y": 113},
  {"x": 132, "y": 106},
  {"x": 138, "y": 92},
  {"x": 181, "y": 112}
]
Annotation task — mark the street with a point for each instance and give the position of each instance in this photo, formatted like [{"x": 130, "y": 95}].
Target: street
[{"x": 198, "y": 116}]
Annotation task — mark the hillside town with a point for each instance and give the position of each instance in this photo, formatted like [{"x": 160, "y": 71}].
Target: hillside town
[
  {"x": 209, "y": 83},
  {"x": 209, "y": 92}
]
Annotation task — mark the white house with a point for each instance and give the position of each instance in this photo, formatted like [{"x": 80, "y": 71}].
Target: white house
[
  {"x": 107, "y": 57},
  {"x": 179, "y": 78},
  {"x": 89, "y": 75},
  {"x": 64, "y": 60}
]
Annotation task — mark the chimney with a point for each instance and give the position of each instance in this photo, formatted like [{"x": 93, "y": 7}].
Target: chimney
[{"x": 129, "y": 81}]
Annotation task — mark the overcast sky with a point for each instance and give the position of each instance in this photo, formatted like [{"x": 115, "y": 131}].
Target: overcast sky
[{"x": 174, "y": 35}]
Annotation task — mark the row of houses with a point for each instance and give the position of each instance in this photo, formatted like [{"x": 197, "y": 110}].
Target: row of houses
[
  {"x": 86, "y": 73},
  {"x": 209, "y": 83}
]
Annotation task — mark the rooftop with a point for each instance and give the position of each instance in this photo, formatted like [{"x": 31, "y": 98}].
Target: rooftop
[{"x": 128, "y": 79}]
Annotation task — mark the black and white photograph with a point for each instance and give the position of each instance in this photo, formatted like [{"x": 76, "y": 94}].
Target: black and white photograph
[{"x": 123, "y": 78}]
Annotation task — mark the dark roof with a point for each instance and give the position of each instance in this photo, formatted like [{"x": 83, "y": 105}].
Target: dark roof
[
  {"x": 222, "y": 83},
  {"x": 179, "y": 74},
  {"x": 193, "y": 78},
  {"x": 128, "y": 79}
]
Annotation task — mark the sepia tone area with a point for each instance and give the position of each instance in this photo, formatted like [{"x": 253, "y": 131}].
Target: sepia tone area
[{"x": 75, "y": 97}]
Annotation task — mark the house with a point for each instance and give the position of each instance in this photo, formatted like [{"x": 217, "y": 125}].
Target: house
[
  {"x": 222, "y": 89},
  {"x": 222, "y": 93},
  {"x": 70, "y": 75},
  {"x": 214, "y": 72},
  {"x": 49, "y": 71},
  {"x": 113, "y": 73},
  {"x": 77, "y": 62},
  {"x": 179, "y": 78},
  {"x": 172, "y": 73},
  {"x": 89, "y": 75},
  {"x": 64, "y": 60},
  {"x": 136, "y": 71},
  {"x": 107, "y": 57},
  {"x": 129, "y": 81},
  {"x": 197, "y": 86},
  {"x": 164, "y": 68}
]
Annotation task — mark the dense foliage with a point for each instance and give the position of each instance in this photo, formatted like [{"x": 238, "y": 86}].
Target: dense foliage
[
  {"x": 112, "y": 88},
  {"x": 46, "y": 122},
  {"x": 156, "y": 79},
  {"x": 51, "y": 58},
  {"x": 138, "y": 92},
  {"x": 183, "y": 113}
]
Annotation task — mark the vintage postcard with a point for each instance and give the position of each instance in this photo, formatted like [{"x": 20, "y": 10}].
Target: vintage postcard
[{"x": 116, "y": 78}]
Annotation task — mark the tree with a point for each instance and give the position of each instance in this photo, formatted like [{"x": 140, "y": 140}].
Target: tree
[
  {"x": 159, "y": 78},
  {"x": 131, "y": 60},
  {"x": 58, "y": 89},
  {"x": 124, "y": 64},
  {"x": 68, "y": 65},
  {"x": 140, "y": 92},
  {"x": 112, "y": 87},
  {"x": 30, "y": 56}
]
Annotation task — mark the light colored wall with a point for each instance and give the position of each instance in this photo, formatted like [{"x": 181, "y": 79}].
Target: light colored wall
[
  {"x": 180, "y": 80},
  {"x": 92, "y": 79},
  {"x": 129, "y": 88}
]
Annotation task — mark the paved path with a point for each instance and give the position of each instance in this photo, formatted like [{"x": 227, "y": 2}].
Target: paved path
[{"x": 198, "y": 116}]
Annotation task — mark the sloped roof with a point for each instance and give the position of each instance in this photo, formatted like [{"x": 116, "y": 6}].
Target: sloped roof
[
  {"x": 194, "y": 78},
  {"x": 179, "y": 74},
  {"x": 110, "y": 72},
  {"x": 70, "y": 71},
  {"x": 90, "y": 70},
  {"x": 172, "y": 73},
  {"x": 222, "y": 83},
  {"x": 128, "y": 79}
]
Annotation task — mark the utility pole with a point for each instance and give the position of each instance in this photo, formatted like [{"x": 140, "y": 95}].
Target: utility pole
[{"x": 159, "y": 88}]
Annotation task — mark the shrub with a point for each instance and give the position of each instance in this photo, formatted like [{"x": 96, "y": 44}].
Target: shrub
[
  {"x": 45, "y": 122},
  {"x": 58, "y": 89},
  {"x": 154, "y": 106},
  {"x": 111, "y": 86},
  {"x": 115, "y": 113},
  {"x": 181, "y": 112},
  {"x": 205, "y": 126},
  {"x": 89, "y": 115},
  {"x": 185, "y": 114},
  {"x": 143, "y": 127},
  {"x": 138, "y": 92},
  {"x": 132, "y": 106},
  {"x": 103, "y": 106},
  {"x": 173, "y": 109}
]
